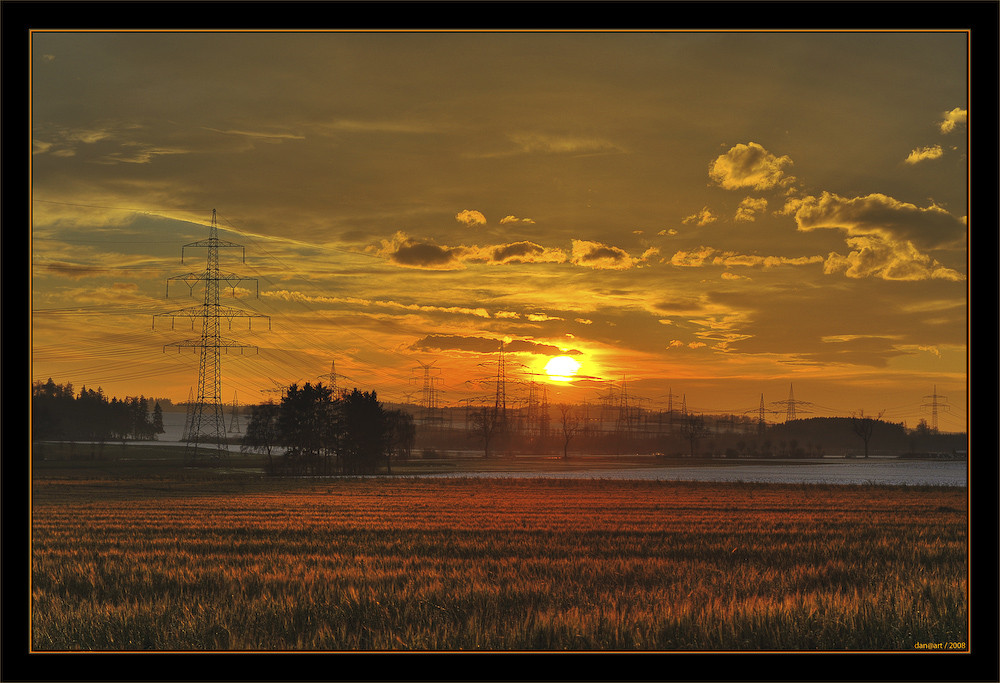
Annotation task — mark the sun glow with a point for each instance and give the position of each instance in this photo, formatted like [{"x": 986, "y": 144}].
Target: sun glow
[{"x": 562, "y": 368}]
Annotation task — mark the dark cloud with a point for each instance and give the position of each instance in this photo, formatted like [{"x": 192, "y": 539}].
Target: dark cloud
[{"x": 423, "y": 255}]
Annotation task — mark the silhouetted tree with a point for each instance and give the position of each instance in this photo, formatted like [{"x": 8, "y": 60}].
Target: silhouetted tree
[
  {"x": 486, "y": 424},
  {"x": 694, "y": 428},
  {"x": 261, "y": 434},
  {"x": 157, "y": 419},
  {"x": 570, "y": 425},
  {"x": 306, "y": 427},
  {"x": 864, "y": 425},
  {"x": 365, "y": 432},
  {"x": 402, "y": 435}
]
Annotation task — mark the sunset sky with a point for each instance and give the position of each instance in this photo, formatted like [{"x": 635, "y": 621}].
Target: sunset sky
[{"x": 709, "y": 215}]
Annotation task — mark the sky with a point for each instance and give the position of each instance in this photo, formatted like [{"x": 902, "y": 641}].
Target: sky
[{"x": 713, "y": 218}]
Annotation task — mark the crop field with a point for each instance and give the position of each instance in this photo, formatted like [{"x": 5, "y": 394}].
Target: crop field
[{"x": 385, "y": 563}]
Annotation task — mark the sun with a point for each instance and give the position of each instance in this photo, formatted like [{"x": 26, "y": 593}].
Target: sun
[{"x": 562, "y": 368}]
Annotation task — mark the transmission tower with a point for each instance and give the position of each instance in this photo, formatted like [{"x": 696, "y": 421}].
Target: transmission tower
[
  {"x": 624, "y": 423},
  {"x": 790, "y": 405},
  {"x": 500, "y": 404},
  {"x": 761, "y": 424},
  {"x": 428, "y": 400},
  {"x": 332, "y": 376},
  {"x": 207, "y": 423},
  {"x": 234, "y": 422},
  {"x": 937, "y": 401}
]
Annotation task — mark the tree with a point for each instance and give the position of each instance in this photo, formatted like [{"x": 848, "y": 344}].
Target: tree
[
  {"x": 305, "y": 425},
  {"x": 694, "y": 429},
  {"x": 486, "y": 424},
  {"x": 157, "y": 419},
  {"x": 570, "y": 425},
  {"x": 402, "y": 436},
  {"x": 262, "y": 431},
  {"x": 365, "y": 432},
  {"x": 864, "y": 425}
]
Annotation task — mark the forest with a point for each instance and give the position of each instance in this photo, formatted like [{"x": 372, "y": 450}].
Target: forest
[{"x": 60, "y": 414}]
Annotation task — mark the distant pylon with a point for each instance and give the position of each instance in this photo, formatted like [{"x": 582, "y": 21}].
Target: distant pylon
[
  {"x": 934, "y": 405},
  {"x": 790, "y": 413},
  {"x": 428, "y": 399},
  {"x": 234, "y": 423},
  {"x": 760, "y": 416},
  {"x": 332, "y": 377},
  {"x": 207, "y": 423},
  {"x": 500, "y": 403}
]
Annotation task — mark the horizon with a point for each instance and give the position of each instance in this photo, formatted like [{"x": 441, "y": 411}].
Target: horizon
[{"x": 707, "y": 217}]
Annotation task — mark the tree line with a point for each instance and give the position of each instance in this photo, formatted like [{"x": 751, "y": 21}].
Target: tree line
[
  {"x": 58, "y": 413},
  {"x": 313, "y": 432}
]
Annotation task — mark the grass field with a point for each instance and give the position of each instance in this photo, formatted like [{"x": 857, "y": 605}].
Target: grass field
[{"x": 203, "y": 562}]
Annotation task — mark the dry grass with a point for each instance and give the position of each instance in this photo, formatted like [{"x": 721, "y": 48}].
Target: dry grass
[{"x": 385, "y": 564}]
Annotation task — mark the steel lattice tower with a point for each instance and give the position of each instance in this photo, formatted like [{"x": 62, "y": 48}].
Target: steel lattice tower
[
  {"x": 207, "y": 423},
  {"x": 934, "y": 405}
]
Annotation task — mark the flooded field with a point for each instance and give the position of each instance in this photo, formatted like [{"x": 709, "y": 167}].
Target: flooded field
[{"x": 830, "y": 471}]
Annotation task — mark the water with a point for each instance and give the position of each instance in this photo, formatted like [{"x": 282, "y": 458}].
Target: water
[{"x": 891, "y": 472}]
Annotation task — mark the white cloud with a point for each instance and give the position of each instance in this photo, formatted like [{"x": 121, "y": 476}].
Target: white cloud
[
  {"x": 506, "y": 220},
  {"x": 875, "y": 256},
  {"x": 703, "y": 217},
  {"x": 952, "y": 119},
  {"x": 750, "y": 166},
  {"x": 749, "y": 208},
  {"x": 924, "y": 153},
  {"x": 470, "y": 218}
]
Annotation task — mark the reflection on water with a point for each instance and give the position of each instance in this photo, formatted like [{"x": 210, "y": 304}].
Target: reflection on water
[{"x": 892, "y": 472}]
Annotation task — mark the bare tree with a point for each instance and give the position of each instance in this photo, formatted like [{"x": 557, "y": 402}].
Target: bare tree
[
  {"x": 694, "y": 429},
  {"x": 570, "y": 425},
  {"x": 864, "y": 425},
  {"x": 486, "y": 424}
]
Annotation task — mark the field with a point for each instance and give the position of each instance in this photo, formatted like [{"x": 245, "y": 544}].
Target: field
[{"x": 173, "y": 562}]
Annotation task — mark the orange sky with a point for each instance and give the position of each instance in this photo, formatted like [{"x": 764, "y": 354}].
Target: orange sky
[{"x": 710, "y": 216}]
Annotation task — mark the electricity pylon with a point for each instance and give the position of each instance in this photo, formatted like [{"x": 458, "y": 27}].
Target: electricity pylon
[
  {"x": 790, "y": 405},
  {"x": 332, "y": 376},
  {"x": 934, "y": 405},
  {"x": 234, "y": 422},
  {"x": 207, "y": 421},
  {"x": 429, "y": 395}
]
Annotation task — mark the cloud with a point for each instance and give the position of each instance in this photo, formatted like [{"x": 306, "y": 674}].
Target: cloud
[
  {"x": 506, "y": 220},
  {"x": 750, "y": 166},
  {"x": 667, "y": 233},
  {"x": 470, "y": 218},
  {"x": 562, "y": 144},
  {"x": 486, "y": 345},
  {"x": 749, "y": 208},
  {"x": 693, "y": 258},
  {"x": 952, "y": 119},
  {"x": 703, "y": 217},
  {"x": 881, "y": 215},
  {"x": 259, "y": 135},
  {"x": 875, "y": 256},
  {"x": 924, "y": 153},
  {"x": 404, "y": 251},
  {"x": 519, "y": 252},
  {"x": 600, "y": 256},
  {"x": 359, "y": 302}
]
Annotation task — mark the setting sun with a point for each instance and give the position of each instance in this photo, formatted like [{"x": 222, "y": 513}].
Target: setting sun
[{"x": 562, "y": 368}]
